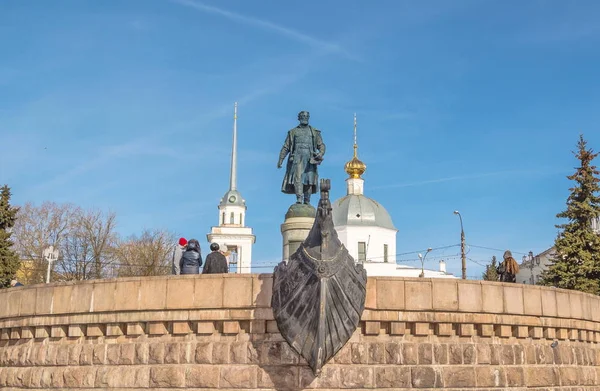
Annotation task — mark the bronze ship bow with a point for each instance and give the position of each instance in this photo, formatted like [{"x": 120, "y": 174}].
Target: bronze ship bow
[{"x": 319, "y": 295}]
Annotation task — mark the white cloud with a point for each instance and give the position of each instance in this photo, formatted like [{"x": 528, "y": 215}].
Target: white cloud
[
  {"x": 469, "y": 177},
  {"x": 267, "y": 25}
]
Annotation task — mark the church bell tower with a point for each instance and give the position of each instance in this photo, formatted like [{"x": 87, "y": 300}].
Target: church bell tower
[{"x": 232, "y": 235}]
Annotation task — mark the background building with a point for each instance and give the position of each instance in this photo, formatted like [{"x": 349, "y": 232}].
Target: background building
[
  {"x": 532, "y": 266},
  {"x": 232, "y": 235},
  {"x": 530, "y": 270},
  {"x": 366, "y": 229}
]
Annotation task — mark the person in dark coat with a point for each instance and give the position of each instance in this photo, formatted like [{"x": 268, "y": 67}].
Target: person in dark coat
[
  {"x": 191, "y": 260},
  {"x": 215, "y": 261}
]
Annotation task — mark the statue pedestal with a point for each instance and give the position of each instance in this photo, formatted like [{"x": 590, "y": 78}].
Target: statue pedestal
[{"x": 299, "y": 219}]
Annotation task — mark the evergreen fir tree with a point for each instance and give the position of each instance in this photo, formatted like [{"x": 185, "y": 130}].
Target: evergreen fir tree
[
  {"x": 577, "y": 261},
  {"x": 491, "y": 271},
  {"x": 9, "y": 261}
]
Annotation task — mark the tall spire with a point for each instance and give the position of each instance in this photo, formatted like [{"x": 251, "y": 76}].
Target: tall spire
[
  {"x": 355, "y": 145},
  {"x": 233, "y": 177},
  {"x": 355, "y": 168}
]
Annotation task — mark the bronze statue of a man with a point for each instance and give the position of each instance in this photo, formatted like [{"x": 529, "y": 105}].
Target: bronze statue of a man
[{"x": 306, "y": 149}]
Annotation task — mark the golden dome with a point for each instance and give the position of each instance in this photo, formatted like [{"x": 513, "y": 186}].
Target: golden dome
[{"x": 355, "y": 168}]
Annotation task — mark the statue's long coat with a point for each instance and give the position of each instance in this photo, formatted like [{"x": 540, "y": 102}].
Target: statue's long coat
[{"x": 309, "y": 171}]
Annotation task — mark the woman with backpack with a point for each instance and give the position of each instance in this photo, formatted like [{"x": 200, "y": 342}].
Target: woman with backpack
[{"x": 191, "y": 260}]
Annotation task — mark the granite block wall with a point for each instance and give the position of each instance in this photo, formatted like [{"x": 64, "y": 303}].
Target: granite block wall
[{"x": 218, "y": 332}]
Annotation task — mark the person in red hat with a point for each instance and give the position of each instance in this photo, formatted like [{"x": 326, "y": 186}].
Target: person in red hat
[{"x": 177, "y": 253}]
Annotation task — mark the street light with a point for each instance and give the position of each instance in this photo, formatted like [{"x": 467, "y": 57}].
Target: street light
[
  {"x": 422, "y": 258},
  {"x": 51, "y": 255},
  {"x": 462, "y": 247}
]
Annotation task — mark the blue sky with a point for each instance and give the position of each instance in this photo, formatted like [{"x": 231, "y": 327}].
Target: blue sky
[{"x": 470, "y": 105}]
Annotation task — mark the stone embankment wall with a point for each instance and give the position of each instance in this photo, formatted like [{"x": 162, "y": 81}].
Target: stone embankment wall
[{"x": 208, "y": 332}]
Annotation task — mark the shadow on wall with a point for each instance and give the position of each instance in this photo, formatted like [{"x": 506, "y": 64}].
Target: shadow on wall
[{"x": 280, "y": 366}]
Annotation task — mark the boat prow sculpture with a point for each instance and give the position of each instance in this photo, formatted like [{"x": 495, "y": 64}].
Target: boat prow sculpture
[{"x": 319, "y": 295}]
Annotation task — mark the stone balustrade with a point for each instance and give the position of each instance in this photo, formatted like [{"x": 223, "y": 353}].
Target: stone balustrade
[{"x": 218, "y": 331}]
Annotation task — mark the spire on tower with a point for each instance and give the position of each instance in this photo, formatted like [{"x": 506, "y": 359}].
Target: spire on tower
[
  {"x": 233, "y": 177},
  {"x": 355, "y": 168},
  {"x": 355, "y": 145},
  {"x": 232, "y": 233},
  {"x": 233, "y": 196}
]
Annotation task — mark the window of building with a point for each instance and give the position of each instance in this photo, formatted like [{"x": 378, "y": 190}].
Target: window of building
[
  {"x": 233, "y": 255},
  {"x": 231, "y": 218},
  {"x": 241, "y": 219},
  {"x": 223, "y": 218},
  {"x": 233, "y": 259},
  {"x": 362, "y": 252},
  {"x": 385, "y": 253}
]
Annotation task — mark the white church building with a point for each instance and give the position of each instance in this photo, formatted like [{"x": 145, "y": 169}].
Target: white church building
[
  {"x": 235, "y": 239},
  {"x": 366, "y": 228},
  {"x": 363, "y": 225}
]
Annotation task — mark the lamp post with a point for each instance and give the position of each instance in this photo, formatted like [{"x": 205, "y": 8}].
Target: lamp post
[
  {"x": 51, "y": 255},
  {"x": 462, "y": 247},
  {"x": 422, "y": 258}
]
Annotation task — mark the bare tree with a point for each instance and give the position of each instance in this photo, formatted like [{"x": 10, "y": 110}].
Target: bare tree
[
  {"x": 88, "y": 249},
  {"x": 150, "y": 254},
  {"x": 85, "y": 239},
  {"x": 36, "y": 228},
  {"x": 88, "y": 244}
]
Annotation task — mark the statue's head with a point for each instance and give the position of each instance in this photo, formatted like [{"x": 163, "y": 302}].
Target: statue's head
[{"x": 303, "y": 117}]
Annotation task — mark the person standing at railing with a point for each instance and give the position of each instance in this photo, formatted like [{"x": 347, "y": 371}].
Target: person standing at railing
[
  {"x": 509, "y": 268},
  {"x": 191, "y": 260},
  {"x": 215, "y": 261},
  {"x": 177, "y": 253}
]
